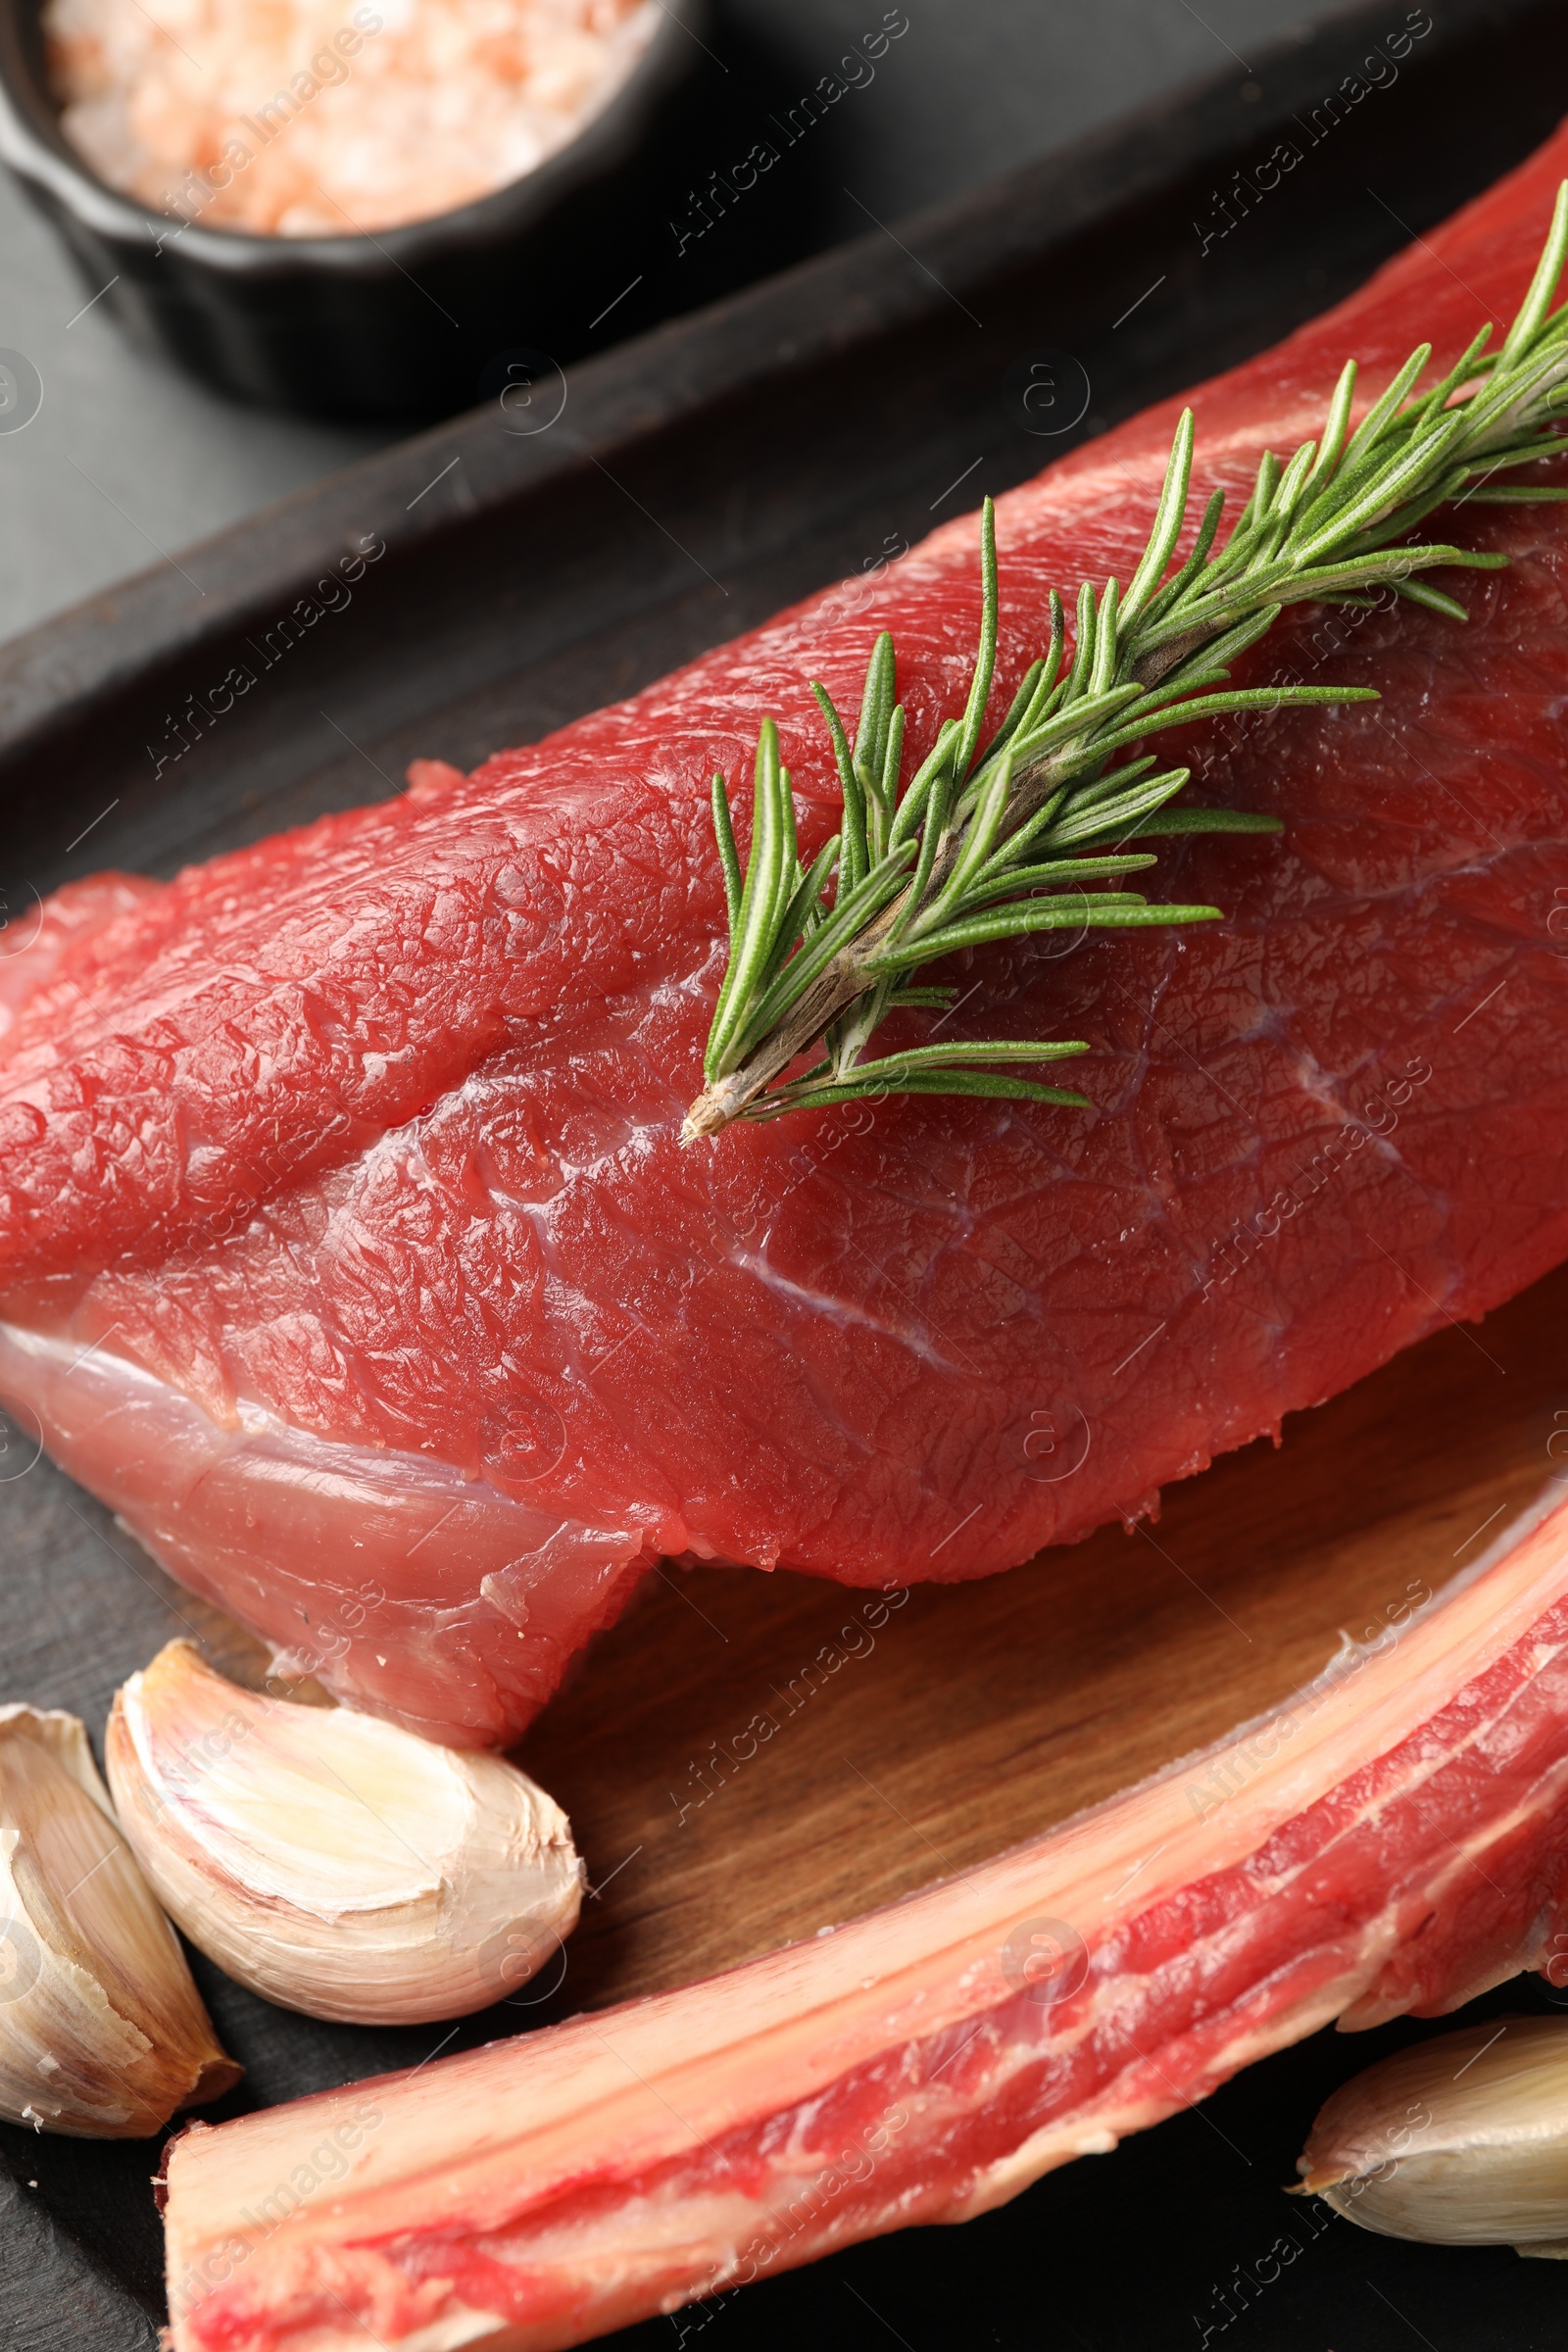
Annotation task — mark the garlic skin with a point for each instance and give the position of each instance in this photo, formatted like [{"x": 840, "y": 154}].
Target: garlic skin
[
  {"x": 102, "y": 2033},
  {"x": 330, "y": 1861},
  {"x": 1457, "y": 2142}
]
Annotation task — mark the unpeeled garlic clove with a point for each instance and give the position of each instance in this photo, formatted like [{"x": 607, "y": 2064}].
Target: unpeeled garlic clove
[
  {"x": 334, "y": 1863},
  {"x": 102, "y": 2033},
  {"x": 1461, "y": 2140}
]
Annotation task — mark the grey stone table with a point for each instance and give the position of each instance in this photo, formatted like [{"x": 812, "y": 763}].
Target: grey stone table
[{"x": 128, "y": 460}]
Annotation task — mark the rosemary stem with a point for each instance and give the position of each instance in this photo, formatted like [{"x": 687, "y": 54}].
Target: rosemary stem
[
  {"x": 981, "y": 845},
  {"x": 830, "y": 993},
  {"x": 846, "y": 979}
]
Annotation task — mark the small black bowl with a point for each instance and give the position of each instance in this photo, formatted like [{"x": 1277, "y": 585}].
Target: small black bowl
[{"x": 407, "y": 323}]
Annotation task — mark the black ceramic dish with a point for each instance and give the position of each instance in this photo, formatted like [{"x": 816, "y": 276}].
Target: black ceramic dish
[{"x": 402, "y": 324}]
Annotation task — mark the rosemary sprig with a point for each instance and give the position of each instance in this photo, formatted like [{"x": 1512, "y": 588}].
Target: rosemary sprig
[{"x": 1037, "y": 829}]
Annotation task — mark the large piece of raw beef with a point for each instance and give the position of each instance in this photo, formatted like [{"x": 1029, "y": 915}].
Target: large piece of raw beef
[{"x": 414, "y": 1333}]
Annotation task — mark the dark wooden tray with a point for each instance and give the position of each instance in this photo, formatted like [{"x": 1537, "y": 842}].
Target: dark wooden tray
[{"x": 696, "y": 480}]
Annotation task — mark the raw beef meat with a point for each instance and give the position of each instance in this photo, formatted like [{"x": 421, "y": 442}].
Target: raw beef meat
[{"x": 414, "y": 1333}]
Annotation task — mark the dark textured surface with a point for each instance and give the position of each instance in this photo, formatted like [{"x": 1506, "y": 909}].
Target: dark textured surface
[
  {"x": 780, "y": 441},
  {"x": 129, "y": 456},
  {"x": 50, "y": 2293}
]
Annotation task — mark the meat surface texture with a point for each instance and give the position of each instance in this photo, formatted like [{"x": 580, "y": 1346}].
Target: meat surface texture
[
  {"x": 1394, "y": 1839},
  {"x": 353, "y": 1157}
]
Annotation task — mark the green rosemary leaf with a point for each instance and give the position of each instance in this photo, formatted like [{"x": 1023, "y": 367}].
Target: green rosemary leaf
[
  {"x": 937, "y": 999},
  {"x": 958, "y": 856},
  {"x": 1014, "y": 849},
  {"x": 1169, "y": 516},
  {"x": 1016, "y": 712},
  {"x": 1385, "y": 489},
  {"x": 877, "y": 717},
  {"x": 1533, "y": 310},
  {"x": 1416, "y": 592},
  {"x": 1069, "y": 720},
  {"x": 974, "y": 715},
  {"x": 848, "y": 916},
  {"x": 730, "y": 861},
  {"x": 1462, "y": 371},
  {"x": 1526, "y": 452},
  {"x": 1109, "y": 819},
  {"x": 917, "y": 1081},
  {"x": 769, "y": 871},
  {"x": 1206, "y": 821},
  {"x": 1294, "y": 484},
  {"x": 1247, "y": 697},
  {"x": 1086, "y": 646},
  {"x": 1256, "y": 508},
  {"x": 1332, "y": 579},
  {"x": 1335, "y": 425},
  {"x": 892, "y": 763},
  {"x": 1209, "y": 664},
  {"x": 1527, "y": 494},
  {"x": 911, "y": 809},
  {"x": 797, "y": 920},
  {"x": 1100, "y": 911},
  {"x": 1380, "y": 415},
  {"x": 958, "y": 1051},
  {"x": 933, "y": 833},
  {"x": 979, "y": 840},
  {"x": 1085, "y": 793},
  {"x": 1176, "y": 587},
  {"x": 857, "y": 845},
  {"x": 1105, "y": 649},
  {"x": 1017, "y": 881}
]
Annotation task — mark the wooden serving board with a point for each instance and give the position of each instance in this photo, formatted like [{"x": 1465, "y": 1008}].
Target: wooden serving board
[{"x": 784, "y": 439}]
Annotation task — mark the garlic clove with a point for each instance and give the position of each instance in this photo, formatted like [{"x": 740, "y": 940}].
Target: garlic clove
[
  {"x": 102, "y": 2033},
  {"x": 1461, "y": 2140},
  {"x": 334, "y": 1863}
]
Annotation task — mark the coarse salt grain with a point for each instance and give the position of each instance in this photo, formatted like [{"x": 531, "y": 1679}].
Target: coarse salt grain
[{"x": 320, "y": 118}]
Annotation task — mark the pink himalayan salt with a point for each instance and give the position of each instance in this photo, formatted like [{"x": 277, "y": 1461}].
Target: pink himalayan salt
[{"x": 320, "y": 118}]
